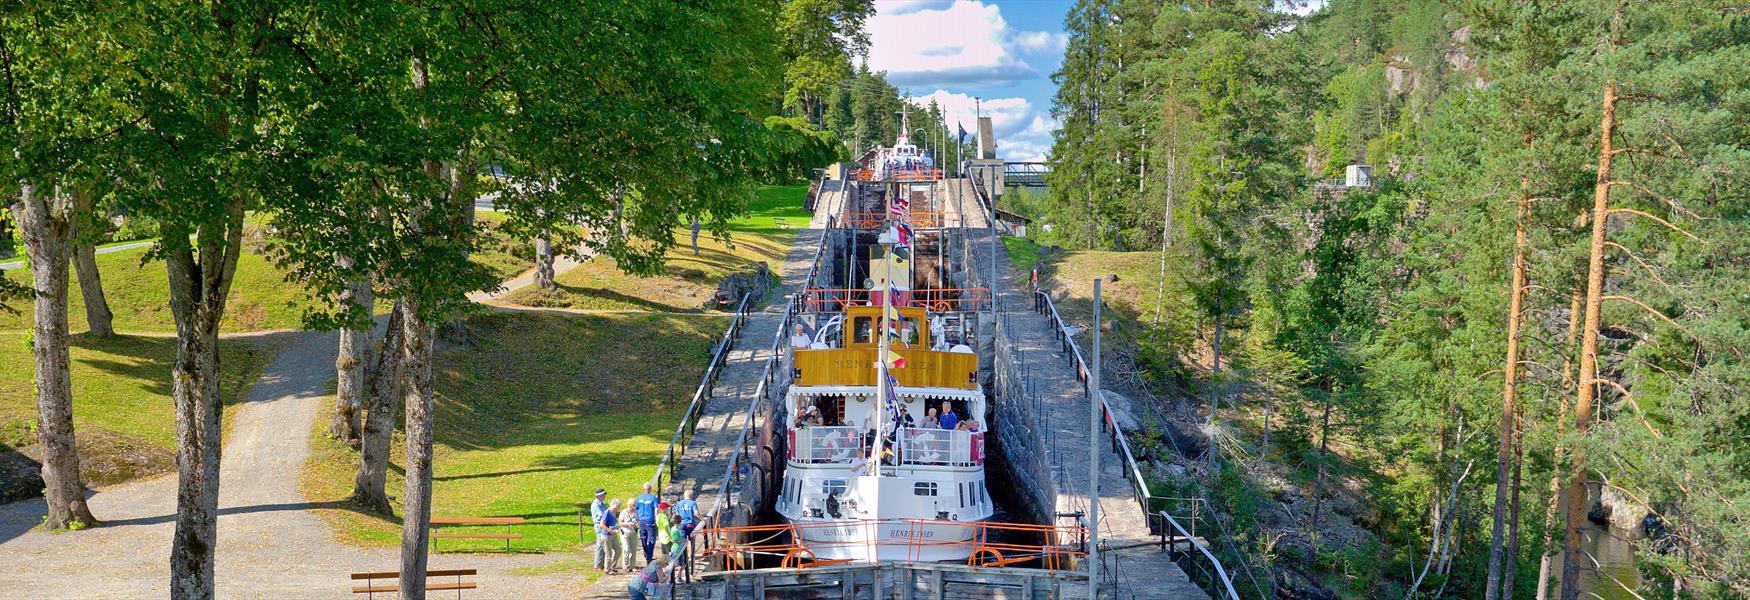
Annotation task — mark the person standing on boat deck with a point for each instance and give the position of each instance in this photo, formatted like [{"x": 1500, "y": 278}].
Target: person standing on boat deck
[
  {"x": 800, "y": 340},
  {"x": 645, "y": 507},
  {"x": 931, "y": 421},
  {"x": 688, "y": 510},
  {"x": 948, "y": 420},
  {"x": 604, "y": 538}
]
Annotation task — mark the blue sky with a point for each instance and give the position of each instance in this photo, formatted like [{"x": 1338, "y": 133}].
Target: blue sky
[{"x": 1003, "y": 51}]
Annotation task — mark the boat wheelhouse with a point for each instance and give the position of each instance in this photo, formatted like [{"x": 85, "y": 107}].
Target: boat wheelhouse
[{"x": 870, "y": 477}]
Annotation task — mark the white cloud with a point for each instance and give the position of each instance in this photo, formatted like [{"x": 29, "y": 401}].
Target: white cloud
[
  {"x": 1022, "y": 129},
  {"x": 908, "y": 42},
  {"x": 1041, "y": 41}
]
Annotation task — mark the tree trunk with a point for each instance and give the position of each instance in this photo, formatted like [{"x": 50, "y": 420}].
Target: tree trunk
[
  {"x": 1510, "y": 566},
  {"x": 46, "y": 236},
  {"x": 1509, "y": 395},
  {"x": 369, "y": 487},
  {"x": 544, "y": 264},
  {"x": 1555, "y": 506},
  {"x": 416, "y": 516},
  {"x": 98, "y": 318},
  {"x": 199, "y": 286},
  {"x": 1214, "y": 388},
  {"x": 1573, "y": 555},
  {"x": 352, "y": 364},
  {"x": 97, "y": 314}
]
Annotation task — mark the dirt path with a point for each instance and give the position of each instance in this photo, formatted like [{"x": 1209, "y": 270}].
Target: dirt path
[{"x": 269, "y": 545}]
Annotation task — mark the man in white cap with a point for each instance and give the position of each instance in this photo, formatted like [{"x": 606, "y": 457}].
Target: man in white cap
[{"x": 598, "y": 511}]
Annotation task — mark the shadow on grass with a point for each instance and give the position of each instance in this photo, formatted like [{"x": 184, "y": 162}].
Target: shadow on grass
[
  {"x": 565, "y": 295},
  {"x": 243, "y": 510},
  {"x": 153, "y": 357}
]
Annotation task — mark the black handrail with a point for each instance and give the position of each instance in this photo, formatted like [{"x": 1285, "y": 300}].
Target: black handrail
[
  {"x": 690, "y": 419},
  {"x": 681, "y": 562},
  {"x": 1220, "y": 571}
]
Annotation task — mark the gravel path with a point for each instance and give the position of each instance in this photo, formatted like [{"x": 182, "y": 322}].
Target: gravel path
[
  {"x": 269, "y": 545},
  {"x": 18, "y": 263}
]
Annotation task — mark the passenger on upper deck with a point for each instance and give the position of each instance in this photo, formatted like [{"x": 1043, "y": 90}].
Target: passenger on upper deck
[{"x": 949, "y": 419}]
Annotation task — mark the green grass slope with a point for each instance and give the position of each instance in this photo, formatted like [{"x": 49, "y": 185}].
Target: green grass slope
[
  {"x": 122, "y": 411},
  {"x": 689, "y": 281},
  {"x": 138, "y": 294},
  {"x": 541, "y": 411}
]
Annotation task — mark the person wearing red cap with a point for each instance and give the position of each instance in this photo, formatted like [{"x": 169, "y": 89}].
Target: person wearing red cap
[{"x": 664, "y": 522}]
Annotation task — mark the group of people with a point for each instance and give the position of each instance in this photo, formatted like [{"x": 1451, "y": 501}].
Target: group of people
[{"x": 658, "y": 527}]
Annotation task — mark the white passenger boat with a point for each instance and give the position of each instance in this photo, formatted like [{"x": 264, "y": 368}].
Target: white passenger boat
[{"x": 869, "y": 473}]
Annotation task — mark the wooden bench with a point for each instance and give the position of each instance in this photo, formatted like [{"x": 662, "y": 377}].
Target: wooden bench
[
  {"x": 507, "y": 536},
  {"x": 371, "y": 588}
]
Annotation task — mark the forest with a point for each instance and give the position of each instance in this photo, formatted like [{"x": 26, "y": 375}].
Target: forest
[{"x": 1538, "y": 298}]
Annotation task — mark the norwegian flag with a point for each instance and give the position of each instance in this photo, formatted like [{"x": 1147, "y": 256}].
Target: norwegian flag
[
  {"x": 900, "y": 208},
  {"x": 904, "y": 230}
]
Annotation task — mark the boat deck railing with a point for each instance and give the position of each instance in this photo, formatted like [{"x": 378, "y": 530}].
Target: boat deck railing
[
  {"x": 913, "y": 446},
  {"x": 987, "y": 544},
  {"x": 917, "y": 220},
  {"x": 935, "y": 300}
]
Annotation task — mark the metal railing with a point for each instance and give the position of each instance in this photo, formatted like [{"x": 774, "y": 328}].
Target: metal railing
[
  {"x": 936, "y": 300},
  {"x": 683, "y": 433},
  {"x": 917, "y": 219},
  {"x": 681, "y": 564},
  {"x": 940, "y": 447},
  {"x": 818, "y": 444},
  {"x": 1148, "y": 502},
  {"x": 903, "y": 175},
  {"x": 869, "y": 537},
  {"x": 1216, "y": 573},
  {"x": 813, "y": 195}
]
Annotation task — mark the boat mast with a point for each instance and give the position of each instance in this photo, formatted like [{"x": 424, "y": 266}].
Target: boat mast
[{"x": 887, "y": 240}]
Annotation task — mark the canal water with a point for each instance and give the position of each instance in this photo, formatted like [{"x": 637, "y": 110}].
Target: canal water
[{"x": 1615, "y": 551}]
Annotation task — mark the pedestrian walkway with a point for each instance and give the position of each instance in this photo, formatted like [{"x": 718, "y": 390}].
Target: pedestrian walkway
[
  {"x": 270, "y": 545},
  {"x": 1141, "y": 571}
]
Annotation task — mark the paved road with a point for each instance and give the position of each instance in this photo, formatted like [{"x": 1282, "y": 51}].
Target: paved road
[
  {"x": 269, "y": 545},
  {"x": 18, "y": 263}
]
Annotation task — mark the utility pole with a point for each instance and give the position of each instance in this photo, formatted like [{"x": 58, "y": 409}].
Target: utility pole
[{"x": 1094, "y": 457}]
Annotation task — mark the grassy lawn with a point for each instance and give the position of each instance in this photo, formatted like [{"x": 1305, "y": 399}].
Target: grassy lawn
[
  {"x": 261, "y": 298},
  {"x": 121, "y": 398},
  {"x": 765, "y": 234},
  {"x": 542, "y": 411},
  {"x": 505, "y": 256},
  {"x": 1071, "y": 274},
  {"x": 138, "y": 294}
]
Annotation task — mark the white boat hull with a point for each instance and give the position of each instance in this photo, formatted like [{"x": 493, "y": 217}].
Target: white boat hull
[{"x": 888, "y": 541}]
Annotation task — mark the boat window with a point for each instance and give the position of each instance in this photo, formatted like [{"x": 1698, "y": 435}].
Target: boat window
[
  {"x": 833, "y": 486},
  {"x": 862, "y": 328},
  {"x": 962, "y": 488},
  {"x": 924, "y": 488}
]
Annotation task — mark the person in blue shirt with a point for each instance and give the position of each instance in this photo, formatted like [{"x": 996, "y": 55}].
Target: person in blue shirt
[
  {"x": 645, "y": 508},
  {"x": 949, "y": 419},
  {"x": 598, "y": 514},
  {"x": 688, "y": 511}
]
